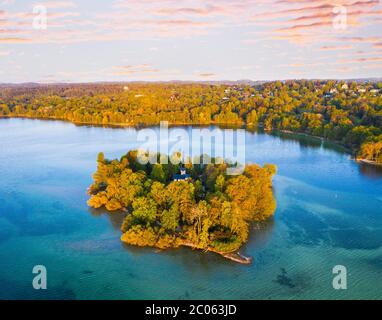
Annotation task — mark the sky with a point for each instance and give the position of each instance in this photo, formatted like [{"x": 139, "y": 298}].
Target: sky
[{"x": 163, "y": 40}]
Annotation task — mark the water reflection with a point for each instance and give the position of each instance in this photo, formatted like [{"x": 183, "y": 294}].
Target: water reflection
[
  {"x": 116, "y": 218},
  {"x": 370, "y": 171},
  {"x": 260, "y": 233},
  {"x": 303, "y": 140}
]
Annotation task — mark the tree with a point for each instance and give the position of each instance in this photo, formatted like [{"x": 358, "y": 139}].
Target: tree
[
  {"x": 219, "y": 184},
  {"x": 100, "y": 176},
  {"x": 98, "y": 200},
  {"x": 204, "y": 236},
  {"x": 199, "y": 190},
  {"x": 113, "y": 205},
  {"x": 145, "y": 209},
  {"x": 252, "y": 118},
  {"x": 170, "y": 218},
  {"x": 372, "y": 151},
  {"x": 182, "y": 194},
  {"x": 198, "y": 213},
  {"x": 158, "y": 173},
  {"x": 159, "y": 194}
]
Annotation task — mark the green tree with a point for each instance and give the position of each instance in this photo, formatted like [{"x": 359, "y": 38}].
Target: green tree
[
  {"x": 158, "y": 173},
  {"x": 219, "y": 184},
  {"x": 145, "y": 209},
  {"x": 170, "y": 218}
]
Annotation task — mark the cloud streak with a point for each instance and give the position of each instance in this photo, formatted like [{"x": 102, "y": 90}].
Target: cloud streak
[{"x": 214, "y": 35}]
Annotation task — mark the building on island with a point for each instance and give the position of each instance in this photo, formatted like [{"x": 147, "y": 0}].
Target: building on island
[{"x": 183, "y": 176}]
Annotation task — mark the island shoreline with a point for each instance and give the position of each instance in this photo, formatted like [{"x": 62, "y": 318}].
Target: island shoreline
[{"x": 235, "y": 255}]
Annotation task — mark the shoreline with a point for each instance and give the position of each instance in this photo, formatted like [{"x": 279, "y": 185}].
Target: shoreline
[
  {"x": 235, "y": 255},
  {"x": 127, "y": 125},
  {"x": 369, "y": 162}
]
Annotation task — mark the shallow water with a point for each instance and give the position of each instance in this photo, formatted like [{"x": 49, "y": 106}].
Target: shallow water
[{"x": 328, "y": 213}]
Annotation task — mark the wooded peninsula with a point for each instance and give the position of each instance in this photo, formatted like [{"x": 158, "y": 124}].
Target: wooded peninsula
[
  {"x": 194, "y": 205},
  {"x": 349, "y": 113}
]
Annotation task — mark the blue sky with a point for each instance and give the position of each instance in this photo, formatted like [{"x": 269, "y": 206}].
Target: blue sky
[{"x": 129, "y": 40}]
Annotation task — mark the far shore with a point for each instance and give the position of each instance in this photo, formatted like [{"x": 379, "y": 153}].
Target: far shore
[{"x": 127, "y": 125}]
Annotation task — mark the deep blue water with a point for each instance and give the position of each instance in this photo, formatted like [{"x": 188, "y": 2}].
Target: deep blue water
[{"x": 329, "y": 212}]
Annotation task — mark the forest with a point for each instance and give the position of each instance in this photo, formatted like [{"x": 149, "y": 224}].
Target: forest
[
  {"x": 206, "y": 209},
  {"x": 349, "y": 113}
]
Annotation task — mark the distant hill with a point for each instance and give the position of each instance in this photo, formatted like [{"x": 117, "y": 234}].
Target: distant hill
[{"x": 246, "y": 82}]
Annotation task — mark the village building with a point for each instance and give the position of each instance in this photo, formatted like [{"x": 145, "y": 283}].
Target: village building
[
  {"x": 333, "y": 90},
  {"x": 183, "y": 176}
]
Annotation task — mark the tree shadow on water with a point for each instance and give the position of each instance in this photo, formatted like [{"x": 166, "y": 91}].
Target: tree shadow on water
[
  {"x": 283, "y": 279},
  {"x": 116, "y": 218},
  {"x": 370, "y": 171}
]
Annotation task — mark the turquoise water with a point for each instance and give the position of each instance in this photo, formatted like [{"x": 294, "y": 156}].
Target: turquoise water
[{"x": 328, "y": 213}]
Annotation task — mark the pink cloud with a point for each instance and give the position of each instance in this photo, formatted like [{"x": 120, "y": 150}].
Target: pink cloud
[
  {"x": 193, "y": 11},
  {"x": 307, "y": 22},
  {"x": 360, "y": 60},
  {"x": 14, "y": 40},
  {"x": 133, "y": 70},
  {"x": 335, "y": 48},
  {"x": 207, "y": 75}
]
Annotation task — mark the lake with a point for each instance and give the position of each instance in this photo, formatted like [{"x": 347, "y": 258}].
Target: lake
[{"x": 329, "y": 212}]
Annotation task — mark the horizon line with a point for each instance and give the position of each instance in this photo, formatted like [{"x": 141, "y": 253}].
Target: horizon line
[{"x": 187, "y": 81}]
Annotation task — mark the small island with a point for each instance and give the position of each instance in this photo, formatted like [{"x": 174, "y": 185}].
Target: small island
[{"x": 187, "y": 204}]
